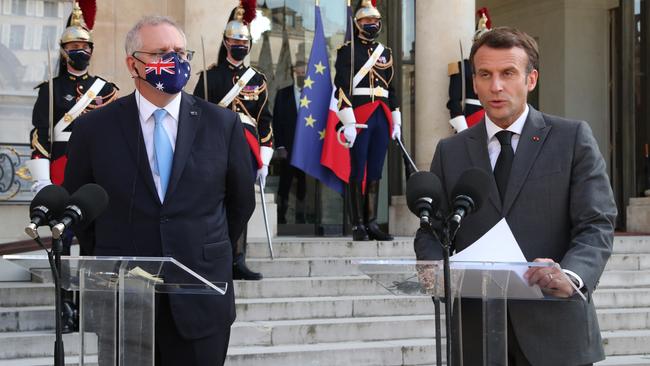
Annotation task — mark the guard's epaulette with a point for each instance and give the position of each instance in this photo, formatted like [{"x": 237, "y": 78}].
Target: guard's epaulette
[
  {"x": 453, "y": 68},
  {"x": 343, "y": 45},
  {"x": 258, "y": 71},
  {"x": 41, "y": 84}
]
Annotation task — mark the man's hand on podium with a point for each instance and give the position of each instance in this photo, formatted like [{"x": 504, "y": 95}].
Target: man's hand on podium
[{"x": 550, "y": 279}]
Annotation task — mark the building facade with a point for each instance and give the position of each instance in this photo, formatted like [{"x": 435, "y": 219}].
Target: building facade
[{"x": 593, "y": 66}]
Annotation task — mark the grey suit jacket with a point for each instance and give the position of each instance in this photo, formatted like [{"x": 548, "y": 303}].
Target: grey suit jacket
[{"x": 559, "y": 205}]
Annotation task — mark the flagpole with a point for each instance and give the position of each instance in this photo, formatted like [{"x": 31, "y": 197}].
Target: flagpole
[{"x": 205, "y": 72}]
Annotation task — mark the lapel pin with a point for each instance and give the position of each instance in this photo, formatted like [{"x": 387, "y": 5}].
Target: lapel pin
[
  {"x": 536, "y": 138},
  {"x": 194, "y": 113}
]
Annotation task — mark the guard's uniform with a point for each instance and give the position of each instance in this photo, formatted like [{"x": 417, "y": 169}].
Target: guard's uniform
[
  {"x": 372, "y": 99},
  {"x": 68, "y": 89},
  {"x": 250, "y": 103},
  {"x": 473, "y": 112}
]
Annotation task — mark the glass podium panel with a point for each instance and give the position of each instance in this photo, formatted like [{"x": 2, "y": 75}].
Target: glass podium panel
[
  {"x": 492, "y": 284},
  {"x": 117, "y": 300}
]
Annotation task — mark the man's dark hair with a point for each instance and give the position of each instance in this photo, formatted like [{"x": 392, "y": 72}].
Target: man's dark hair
[{"x": 506, "y": 38}]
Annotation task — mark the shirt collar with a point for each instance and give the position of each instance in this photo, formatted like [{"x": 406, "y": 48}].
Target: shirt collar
[
  {"x": 516, "y": 127},
  {"x": 147, "y": 108}
]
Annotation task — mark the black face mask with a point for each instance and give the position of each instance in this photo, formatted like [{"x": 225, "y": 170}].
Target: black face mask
[
  {"x": 300, "y": 81},
  {"x": 370, "y": 30},
  {"x": 78, "y": 59},
  {"x": 238, "y": 52}
]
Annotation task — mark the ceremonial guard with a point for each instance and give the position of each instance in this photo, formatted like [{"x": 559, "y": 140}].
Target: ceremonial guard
[
  {"x": 243, "y": 89},
  {"x": 465, "y": 109},
  {"x": 364, "y": 89},
  {"x": 74, "y": 92}
]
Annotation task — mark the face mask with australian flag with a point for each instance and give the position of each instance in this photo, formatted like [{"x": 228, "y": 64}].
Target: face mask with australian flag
[{"x": 169, "y": 74}]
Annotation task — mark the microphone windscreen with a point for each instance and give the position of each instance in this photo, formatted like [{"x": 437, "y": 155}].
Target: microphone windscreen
[
  {"x": 53, "y": 197},
  {"x": 92, "y": 199},
  {"x": 474, "y": 183},
  {"x": 423, "y": 185}
]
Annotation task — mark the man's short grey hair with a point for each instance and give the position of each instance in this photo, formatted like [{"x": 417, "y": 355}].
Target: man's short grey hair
[{"x": 133, "y": 40}]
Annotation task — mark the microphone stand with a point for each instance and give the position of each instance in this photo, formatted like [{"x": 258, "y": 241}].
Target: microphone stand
[
  {"x": 54, "y": 257},
  {"x": 446, "y": 245}
]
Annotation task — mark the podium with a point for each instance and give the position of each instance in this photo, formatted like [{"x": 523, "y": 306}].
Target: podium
[
  {"x": 490, "y": 284},
  {"x": 117, "y": 300}
]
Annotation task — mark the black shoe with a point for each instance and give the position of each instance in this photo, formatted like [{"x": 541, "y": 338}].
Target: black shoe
[
  {"x": 69, "y": 317},
  {"x": 241, "y": 272},
  {"x": 375, "y": 233},
  {"x": 359, "y": 233}
]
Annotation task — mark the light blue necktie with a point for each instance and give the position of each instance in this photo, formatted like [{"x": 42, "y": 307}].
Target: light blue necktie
[{"x": 163, "y": 148}]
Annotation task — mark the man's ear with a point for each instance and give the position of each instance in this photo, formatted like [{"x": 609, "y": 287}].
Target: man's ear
[
  {"x": 531, "y": 78},
  {"x": 130, "y": 65}
]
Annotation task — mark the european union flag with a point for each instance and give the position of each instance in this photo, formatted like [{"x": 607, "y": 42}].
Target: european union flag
[{"x": 313, "y": 112}]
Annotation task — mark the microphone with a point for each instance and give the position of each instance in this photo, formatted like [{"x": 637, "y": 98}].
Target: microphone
[
  {"x": 48, "y": 204},
  {"x": 423, "y": 196},
  {"x": 468, "y": 194},
  {"x": 84, "y": 207}
]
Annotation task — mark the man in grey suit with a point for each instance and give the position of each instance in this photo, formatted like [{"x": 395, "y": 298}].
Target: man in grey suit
[{"x": 551, "y": 185}]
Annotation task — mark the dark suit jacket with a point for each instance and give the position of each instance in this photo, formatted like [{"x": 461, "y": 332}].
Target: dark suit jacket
[
  {"x": 284, "y": 118},
  {"x": 559, "y": 205},
  {"x": 209, "y": 199}
]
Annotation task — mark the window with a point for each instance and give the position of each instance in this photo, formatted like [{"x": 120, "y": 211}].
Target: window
[
  {"x": 19, "y": 7},
  {"x": 17, "y": 37},
  {"x": 48, "y": 37},
  {"x": 51, "y": 9}
]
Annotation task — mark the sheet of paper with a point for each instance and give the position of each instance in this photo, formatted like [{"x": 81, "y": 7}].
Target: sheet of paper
[{"x": 497, "y": 245}]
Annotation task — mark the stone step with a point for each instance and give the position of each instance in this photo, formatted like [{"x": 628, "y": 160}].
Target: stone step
[
  {"x": 624, "y": 319},
  {"x": 47, "y": 361},
  {"x": 26, "y": 318},
  {"x": 629, "y": 262},
  {"x": 16, "y": 345},
  {"x": 396, "y": 352},
  {"x": 625, "y": 279},
  {"x": 292, "y": 247},
  {"x": 307, "y": 286},
  {"x": 313, "y": 331},
  {"x": 631, "y": 360},
  {"x": 14, "y": 294},
  {"x": 308, "y": 267},
  {"x": 626, "y": 342},
  {"x": 331, "y": 307},
  {"x": 622, "y": 297},
  {"x": 631, "y": 244}
]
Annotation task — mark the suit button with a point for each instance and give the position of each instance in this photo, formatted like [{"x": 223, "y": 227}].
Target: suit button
[{"x": 164, "y": 219}]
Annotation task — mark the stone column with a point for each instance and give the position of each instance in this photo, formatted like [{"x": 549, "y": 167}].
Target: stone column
[{"x": 439, "y": 26}]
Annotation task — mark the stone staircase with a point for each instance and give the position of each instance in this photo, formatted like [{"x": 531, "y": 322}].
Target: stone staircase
[{"x": 315, "y": 308}]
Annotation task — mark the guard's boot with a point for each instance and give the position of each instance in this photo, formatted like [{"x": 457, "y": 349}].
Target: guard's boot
[
  {"x": 239, "y": 269},
  {"x": 283, "y": 206},
  {"x": 300, "y": 211},
  {"x": 356, "y": 201},
  {"x": 372, "y": 199},
  {"x": 69, "y": 317}
]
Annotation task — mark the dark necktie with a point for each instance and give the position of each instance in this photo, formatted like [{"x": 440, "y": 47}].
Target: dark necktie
[{"x": 504, "y": 162}]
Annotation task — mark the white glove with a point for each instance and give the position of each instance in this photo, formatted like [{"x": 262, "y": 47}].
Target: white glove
[
  {"x": 261, "y": 175},
  {"x": 458, "y": 123},
  {"x": 397, "y": 125},
  {"x": 346, "y": 116},
  {"x": 350, "y": 133},
  {"x": 40, "y": 184},
  {"x": 39, "y": 169}
]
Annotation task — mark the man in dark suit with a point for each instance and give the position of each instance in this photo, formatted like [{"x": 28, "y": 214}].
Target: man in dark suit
[
  {"x": 551, "y": 184},
  {"x": 285, "y": 113},
  {"x": 174, "y": 168}
]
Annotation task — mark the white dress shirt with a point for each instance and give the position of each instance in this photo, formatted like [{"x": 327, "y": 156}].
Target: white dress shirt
[
  {"x": 493, "y": 144},
  {"x": 147, "y": 123},
  {"x": 296, "y": 95}
]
